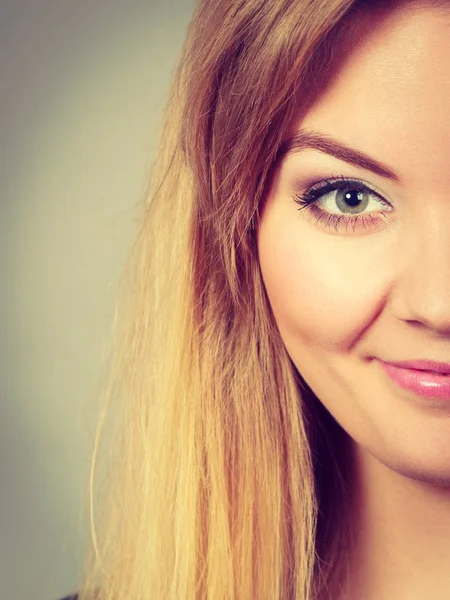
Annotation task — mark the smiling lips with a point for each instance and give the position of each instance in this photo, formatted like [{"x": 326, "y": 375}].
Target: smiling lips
[
  {"x": 423, "y": 377},
  {"x": 422, "y": 365}
]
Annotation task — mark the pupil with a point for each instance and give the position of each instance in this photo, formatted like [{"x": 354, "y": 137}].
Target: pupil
[{"x": 352, "y": 198}]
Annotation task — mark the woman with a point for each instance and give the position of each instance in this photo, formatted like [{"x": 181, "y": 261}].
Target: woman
[{"x": 292, "y": 255}]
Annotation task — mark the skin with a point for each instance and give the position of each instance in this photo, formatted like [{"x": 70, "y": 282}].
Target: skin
[{"x": 343, "y": 299}]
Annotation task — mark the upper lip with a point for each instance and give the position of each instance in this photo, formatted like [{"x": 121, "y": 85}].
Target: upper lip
[{"x": 421, "y": 365}]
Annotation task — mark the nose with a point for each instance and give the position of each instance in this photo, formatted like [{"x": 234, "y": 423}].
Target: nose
[{"x": 421, "y": 292}]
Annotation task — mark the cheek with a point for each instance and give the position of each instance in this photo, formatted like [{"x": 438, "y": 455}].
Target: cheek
[{"x": 324, "y": 289}]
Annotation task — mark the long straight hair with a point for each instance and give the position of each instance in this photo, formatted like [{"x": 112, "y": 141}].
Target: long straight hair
[{"x": 223, "y": 478}]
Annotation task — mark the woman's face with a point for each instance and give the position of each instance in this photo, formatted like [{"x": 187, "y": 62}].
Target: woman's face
[{"x": 375, "y": 285}]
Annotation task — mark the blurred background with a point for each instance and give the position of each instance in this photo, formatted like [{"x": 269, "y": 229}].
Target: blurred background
[{"x": 82, "y": 87}]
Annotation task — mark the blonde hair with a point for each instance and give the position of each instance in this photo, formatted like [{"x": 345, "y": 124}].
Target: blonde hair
[{"x": 225, "y": 475}]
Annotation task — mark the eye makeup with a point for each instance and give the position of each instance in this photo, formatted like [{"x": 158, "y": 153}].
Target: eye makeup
[{"x": 348, "y": 197}]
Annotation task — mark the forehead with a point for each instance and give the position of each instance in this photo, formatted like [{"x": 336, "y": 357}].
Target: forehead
[{"x": 390, "y": 97}]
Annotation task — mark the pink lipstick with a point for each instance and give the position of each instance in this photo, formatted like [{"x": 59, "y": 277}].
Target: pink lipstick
[{"x": 423, "y": 377}]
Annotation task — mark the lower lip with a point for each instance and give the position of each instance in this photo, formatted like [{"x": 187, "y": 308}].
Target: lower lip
[{"x": 424, "y": 383}]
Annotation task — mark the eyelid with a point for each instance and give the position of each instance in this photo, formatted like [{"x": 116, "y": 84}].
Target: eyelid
[{"x": 346, "y": 179}]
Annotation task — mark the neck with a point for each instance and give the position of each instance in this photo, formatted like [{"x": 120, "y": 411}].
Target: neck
[{"x": 401, "y": 535}]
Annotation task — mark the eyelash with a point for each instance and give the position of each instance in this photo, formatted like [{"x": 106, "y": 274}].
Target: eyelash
[{"x": 309, "y": 198}]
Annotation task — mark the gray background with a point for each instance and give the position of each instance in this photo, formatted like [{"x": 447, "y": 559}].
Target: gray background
[{"x": 82, "y": 85}]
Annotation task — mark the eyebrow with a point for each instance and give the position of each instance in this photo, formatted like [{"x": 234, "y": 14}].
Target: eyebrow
[{"x": 324, "y": 143}]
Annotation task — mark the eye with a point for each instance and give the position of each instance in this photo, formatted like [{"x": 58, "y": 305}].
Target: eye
[{"x": 344, "y": 201}]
